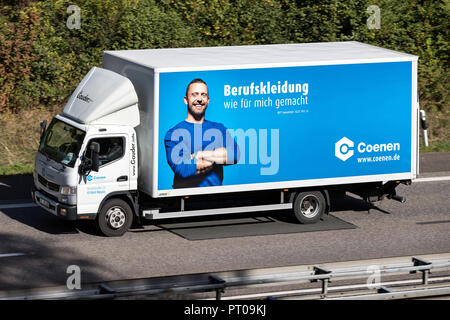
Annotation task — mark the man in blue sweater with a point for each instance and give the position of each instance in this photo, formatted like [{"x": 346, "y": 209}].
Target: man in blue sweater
[{"x": 197, "y": 149}]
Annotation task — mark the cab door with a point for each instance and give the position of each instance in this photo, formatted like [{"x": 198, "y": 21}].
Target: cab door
[{"x": 112, "y": 176}]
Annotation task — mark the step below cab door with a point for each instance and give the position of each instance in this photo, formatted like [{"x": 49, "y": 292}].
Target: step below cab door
[{"x": 113, "y": 174}]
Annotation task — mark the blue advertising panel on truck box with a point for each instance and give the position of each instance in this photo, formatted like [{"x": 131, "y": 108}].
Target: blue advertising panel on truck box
[{"x": 299, "y": 118}]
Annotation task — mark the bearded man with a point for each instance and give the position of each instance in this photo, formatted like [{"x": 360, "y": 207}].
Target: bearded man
[{"x": 196, "y": 148}]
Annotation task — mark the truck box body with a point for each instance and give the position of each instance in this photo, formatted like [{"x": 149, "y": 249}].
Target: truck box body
[{"x": 301, "y": 114}]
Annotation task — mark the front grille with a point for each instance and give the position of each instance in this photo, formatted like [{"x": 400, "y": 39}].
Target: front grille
[
  {"x": 48, "y": 195},
  {"x": 42, "y": 180},
  {"x": 48, "y": 184},
  {"x": 53, "y": 186}
]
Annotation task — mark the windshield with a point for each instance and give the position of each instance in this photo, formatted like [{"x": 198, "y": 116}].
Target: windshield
[{"x": 62, "y": 142}]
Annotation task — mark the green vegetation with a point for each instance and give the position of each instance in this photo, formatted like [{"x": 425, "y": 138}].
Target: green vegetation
[
  {"x": 436, "y": 147},
  {"x": 19, "y": 139},
  {"x": 42, "y": 60},
  {"x": 17, "y": 169}
]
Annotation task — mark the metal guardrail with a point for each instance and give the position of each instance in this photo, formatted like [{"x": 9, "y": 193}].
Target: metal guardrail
[
  {"x": 388, "y": 294},
  {"x": 218, "y": 282}
]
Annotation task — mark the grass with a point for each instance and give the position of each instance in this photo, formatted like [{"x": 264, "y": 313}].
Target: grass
[
  {"x": 17, "y": 169},
  {"x": 438, "y": 131},
  {"x": 19, "y": 139},
  {"x": 436, "y": 147}
]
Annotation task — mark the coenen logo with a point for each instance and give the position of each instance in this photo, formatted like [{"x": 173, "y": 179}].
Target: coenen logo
[
  {"x": 344, "y": 149},
  {"x": 90, "y": 178}
]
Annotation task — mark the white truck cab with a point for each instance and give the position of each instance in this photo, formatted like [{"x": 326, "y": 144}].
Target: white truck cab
[{"x": 88, "y": 152}]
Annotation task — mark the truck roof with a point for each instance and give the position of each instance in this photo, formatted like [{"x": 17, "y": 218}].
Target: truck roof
[
  {"x": 248, "y": 56},
  {"x": 103, "y": 97}
]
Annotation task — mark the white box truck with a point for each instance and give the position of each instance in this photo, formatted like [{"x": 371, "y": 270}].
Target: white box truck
[{"x": 166, "y": 133}]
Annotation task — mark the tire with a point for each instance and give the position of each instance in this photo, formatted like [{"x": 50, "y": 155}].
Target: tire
[
  {"x": 309, "y": 206},
  {"x": 115, "y": 218}
]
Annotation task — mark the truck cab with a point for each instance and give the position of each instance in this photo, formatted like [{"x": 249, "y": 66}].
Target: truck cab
[{"x": 87, "y": 155}]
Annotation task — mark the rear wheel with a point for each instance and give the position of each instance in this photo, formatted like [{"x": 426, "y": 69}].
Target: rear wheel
[
  {"x": 309, "y": 206},
  {"x": 115, "y": 218}
]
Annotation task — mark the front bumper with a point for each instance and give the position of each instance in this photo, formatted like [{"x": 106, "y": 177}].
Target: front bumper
[{"x": 55, "y": 208}]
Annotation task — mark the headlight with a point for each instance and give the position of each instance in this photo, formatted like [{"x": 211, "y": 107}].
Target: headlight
[{"x": 68, "y": 191}]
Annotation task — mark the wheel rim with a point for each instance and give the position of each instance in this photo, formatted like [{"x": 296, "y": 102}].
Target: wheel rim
[
  {"x": 115, "y": 217},
  {"x": 309, "y": 206}
]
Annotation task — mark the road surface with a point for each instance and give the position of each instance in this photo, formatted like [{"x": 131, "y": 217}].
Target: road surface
[{"x": 37, "y": 248}]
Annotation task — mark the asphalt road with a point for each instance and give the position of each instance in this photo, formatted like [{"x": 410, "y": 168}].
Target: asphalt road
[{"x": 36, "y": 248}]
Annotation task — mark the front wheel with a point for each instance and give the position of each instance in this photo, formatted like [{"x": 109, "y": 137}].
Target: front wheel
[
  {"x": 309, "y": 206},
  {"x": 115, "y": 218}
]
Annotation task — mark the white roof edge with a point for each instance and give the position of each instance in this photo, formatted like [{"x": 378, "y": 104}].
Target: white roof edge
[
  {"x": 281, "y": 65},
  {"x": 114, "y": 53},
  {"x": 203, "y": 58},
  {"x": 263, "y": 45},
  {"x": 386, "y": 49}
]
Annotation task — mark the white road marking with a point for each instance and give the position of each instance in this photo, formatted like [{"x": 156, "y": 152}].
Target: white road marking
[
  {"x": 4, "y": 184},
  {"x": 6, "y": 255},
  {"x": 18, "y": 205},
  {"x": 445, "y": 178}
]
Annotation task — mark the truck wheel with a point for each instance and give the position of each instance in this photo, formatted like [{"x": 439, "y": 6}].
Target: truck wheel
[
  {"x": 309, "y": 206},
  {"x": 115, "y": 218}
]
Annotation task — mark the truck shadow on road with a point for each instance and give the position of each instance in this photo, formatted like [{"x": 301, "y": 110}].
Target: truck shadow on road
[
  {"x": 353, "y": 203},
  {"x": 15, "y": 187},
  {"x": 43, "y": 221},
  {"x": 26, "y": 262},
  {"x": 40, "y": 220},
  {"x": 261, "y": 223}
]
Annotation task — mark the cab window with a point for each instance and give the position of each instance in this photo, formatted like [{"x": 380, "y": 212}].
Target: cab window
[{"x": 111, "y": 149}]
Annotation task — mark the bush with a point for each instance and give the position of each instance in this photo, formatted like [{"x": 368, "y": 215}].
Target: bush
[
  {"x": 42, "y": 60},
  {"x": 66, "y": 55},
  {"x": 226, "y": 23},
  {"x": 18, "y": 32}
]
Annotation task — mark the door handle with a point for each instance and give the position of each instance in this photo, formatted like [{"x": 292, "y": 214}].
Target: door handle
[{"x": 122, "y": 178}]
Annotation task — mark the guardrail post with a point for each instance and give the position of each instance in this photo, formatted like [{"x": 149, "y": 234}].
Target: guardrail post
[
  {"x": 425, "y": 277},
  {"x": 420, "y": 262},
  {"x": 325, "y": 281},
  {"x": 216, "y": 280},
  {"x": 423, "y": 124},
  {"x": 384, "y": 289},
  {"x": 104, "y": 289}
]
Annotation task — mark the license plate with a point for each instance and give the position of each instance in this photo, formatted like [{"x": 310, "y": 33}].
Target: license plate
[{"x": 44, "y": 202}]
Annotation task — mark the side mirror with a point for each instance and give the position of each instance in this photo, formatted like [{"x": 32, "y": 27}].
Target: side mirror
[
  {"x": 43, "y": 125},
  {"x": 95, "y": 150}
]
